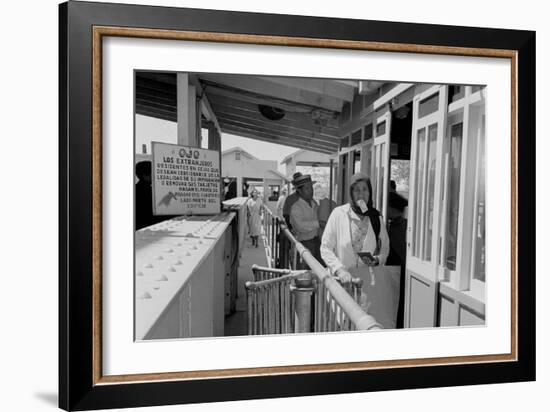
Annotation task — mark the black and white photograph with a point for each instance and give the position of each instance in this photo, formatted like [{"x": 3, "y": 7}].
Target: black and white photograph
[
  {"x": 262, "y": 205},
  {"x": 268, "y": 205}
]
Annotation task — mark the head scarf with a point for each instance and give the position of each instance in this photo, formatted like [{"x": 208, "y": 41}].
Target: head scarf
[{"x": 371, "y": 211}]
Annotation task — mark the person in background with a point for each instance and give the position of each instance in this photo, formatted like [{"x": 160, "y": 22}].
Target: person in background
[
  {"x": 253, "y": 207},
  {"x": 353, "y": 228},
  {"x": 281, "y": 203},
  {"x": 303, "y": 218},
  {"x": 397, "y": 230},
  {"x": 393, "y": 186},
  {"x": 290, "y": 200},
  {"x": 325, "y": 206},
  {"x": 144, "y": 197}
]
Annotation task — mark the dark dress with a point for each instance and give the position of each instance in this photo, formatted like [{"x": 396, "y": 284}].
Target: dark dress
[{"x": 397, "y": 232}]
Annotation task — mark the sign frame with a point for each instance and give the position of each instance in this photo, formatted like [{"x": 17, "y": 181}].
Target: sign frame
[{"x": 154, "y": 179}]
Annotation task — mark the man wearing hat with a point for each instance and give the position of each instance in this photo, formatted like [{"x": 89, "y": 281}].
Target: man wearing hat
[
  {"x": 290, "y": 200},
  {"x": 303, "y": 216}
]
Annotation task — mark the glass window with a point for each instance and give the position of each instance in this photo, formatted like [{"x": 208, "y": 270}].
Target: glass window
[
  {"x": 374, "y": 174},
  {"x": 428, "y": 106},
  {"x": 343, "y": 162},
  {"x": 381, "y": 174},
  {"x": 237, "y": 155},
  {"x": 274, "y": 191},
  {"x": 356, "y": 137},
  {"x": 455, "y": 160},
  {"x": 381, "y": 128},
  {"x": 456, "y": 92},
  {"x": 419, "y": 179},
  {"x": 368, "y": 132},
  {"x": 430, "y": 186},
  {"x": 204, "y": 138},
  {"x": 400, "y": 170},
  {"x": 479, "y": 235},
  {"x": 356, "y": 161},
  {"x": 344, "y": 142}
]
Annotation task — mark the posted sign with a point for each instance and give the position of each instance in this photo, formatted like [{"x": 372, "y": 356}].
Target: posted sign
[{"x": 186, "y": 180}]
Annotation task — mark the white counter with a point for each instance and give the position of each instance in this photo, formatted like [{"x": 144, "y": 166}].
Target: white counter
[{"x": 181, "y": 266}]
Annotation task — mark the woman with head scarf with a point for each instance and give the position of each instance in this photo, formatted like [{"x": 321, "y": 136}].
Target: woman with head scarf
[{"x": 354, "y": 229}]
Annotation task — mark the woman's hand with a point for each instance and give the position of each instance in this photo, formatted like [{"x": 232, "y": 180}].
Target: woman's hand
[{"x": 343, "y": 275}]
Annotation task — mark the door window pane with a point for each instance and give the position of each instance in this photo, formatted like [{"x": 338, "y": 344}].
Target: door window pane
[
  {"x": 344, "y": 142},
  {"x": 368, "y": 132},
  {"x": 356, "y": 137},
  {"x": 419, "y": 183},
  {"x": 381, "y": 175},
  {"x": 381, "y": 128},
  {"x": 376, "y": 172},
  {"x": 343, "y": 162},
  {"x": 455, "y": 159},
  {"x": 456, "y": 92},
  {"x": 399, "y": 173},
  {"x": 356, "y": 161},
  {"x": 428, "y": 106},
  {"x": 479, "y": 245},
  {"x": 430, "y": 186},
  {"x": 372, "y": 173}
]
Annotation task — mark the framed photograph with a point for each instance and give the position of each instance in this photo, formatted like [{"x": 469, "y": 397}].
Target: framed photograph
[{"x": 257, "y": 206}]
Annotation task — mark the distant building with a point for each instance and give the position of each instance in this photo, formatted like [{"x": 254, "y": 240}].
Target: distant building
[
  {"x": 241, "y": 172},
  {"x": 315, "y": 164}
]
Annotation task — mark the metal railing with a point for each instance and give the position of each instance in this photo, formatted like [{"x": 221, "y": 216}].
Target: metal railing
[
  {"x": 334, "y": 307},
  {"x": 270, "y": 304},
  {"x": 329, "y": 315}
]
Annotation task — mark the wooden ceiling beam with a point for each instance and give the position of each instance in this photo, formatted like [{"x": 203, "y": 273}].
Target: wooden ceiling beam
[{"x": 156, "y": 113}]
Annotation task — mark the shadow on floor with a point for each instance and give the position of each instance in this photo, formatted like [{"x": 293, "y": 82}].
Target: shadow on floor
[{"x": 49, "y": 398}]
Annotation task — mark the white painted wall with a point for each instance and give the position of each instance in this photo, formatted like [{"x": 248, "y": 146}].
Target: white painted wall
[{"x": 247, "y": 167}]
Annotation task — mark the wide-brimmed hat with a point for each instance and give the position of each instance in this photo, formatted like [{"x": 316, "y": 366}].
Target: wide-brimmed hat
[
  {"x": 294, "y": 177},
  {"x": 303, "y": 180}
]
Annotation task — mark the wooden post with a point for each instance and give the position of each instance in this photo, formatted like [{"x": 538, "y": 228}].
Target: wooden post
[
  {"x": 215, "y": 143},
  {"x": 186, "y": 111},
  {"x": 302, "y": 291}
]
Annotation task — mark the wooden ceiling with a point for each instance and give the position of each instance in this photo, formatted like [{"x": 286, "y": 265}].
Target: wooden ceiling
[{"x": 311, "y": 107}]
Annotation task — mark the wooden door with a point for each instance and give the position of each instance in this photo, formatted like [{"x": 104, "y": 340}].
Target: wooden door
[{"x": 429, "y": 123}]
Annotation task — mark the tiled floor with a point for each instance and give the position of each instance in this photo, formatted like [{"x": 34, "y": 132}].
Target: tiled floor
[{"x": 235, "y": 324}]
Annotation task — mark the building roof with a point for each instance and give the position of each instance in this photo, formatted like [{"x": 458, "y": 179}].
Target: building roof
[
  {"x": 305, "y": 161},
  {"x": 279, "y": 174},
  {"x": 238, "y": 149},
  {"x": 290, "y": 156}
]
